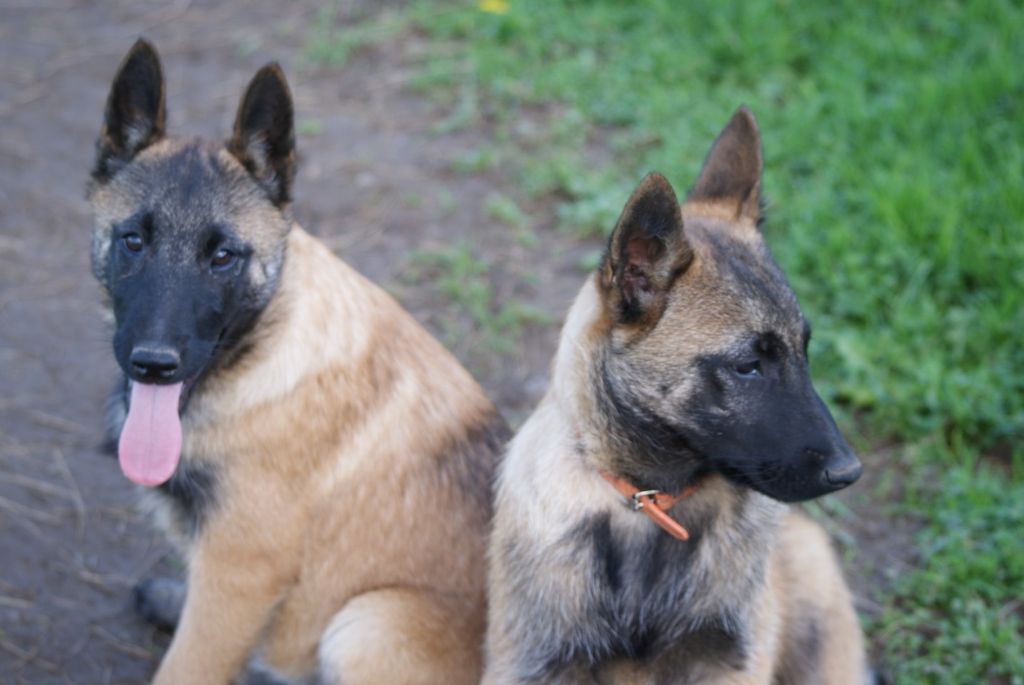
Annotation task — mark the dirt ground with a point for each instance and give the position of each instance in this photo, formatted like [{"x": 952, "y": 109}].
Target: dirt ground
[{"x": 375, "y": 183}]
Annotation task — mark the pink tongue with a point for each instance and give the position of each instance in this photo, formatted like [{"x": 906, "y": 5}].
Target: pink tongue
[{"x": 150, "y": 442}]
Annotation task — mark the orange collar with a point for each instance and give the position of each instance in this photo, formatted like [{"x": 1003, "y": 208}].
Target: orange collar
[{"x": 652, "y": 503}]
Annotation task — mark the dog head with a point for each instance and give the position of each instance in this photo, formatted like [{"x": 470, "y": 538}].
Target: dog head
[
  {"x": 188, "y": 243},
  {"x": 189, "y": 236},
  {"x": 704, "y": 367}
]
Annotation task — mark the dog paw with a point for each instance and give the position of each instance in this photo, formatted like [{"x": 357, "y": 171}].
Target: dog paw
[{"x": 160, "y": 601}]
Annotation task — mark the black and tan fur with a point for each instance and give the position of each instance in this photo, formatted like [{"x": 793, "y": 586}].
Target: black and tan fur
[
  {"x": 333, "y": 495},
  {"x": 682, "y": 362}
]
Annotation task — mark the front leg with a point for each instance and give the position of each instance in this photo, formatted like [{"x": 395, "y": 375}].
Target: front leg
[
  {"x": 232, "y": 590},
  {"x": 160, "y": 601},
  {"x": 532, "y": 640}
]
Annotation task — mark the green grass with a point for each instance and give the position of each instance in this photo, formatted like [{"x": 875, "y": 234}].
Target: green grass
[
  {"x": 894, "y": 150},
  {"x": 331, "y": 43},
  {"x": 894, "y": 162},
  {"x": 462, "y": 279},
  {"x": 960, "y": 619}
]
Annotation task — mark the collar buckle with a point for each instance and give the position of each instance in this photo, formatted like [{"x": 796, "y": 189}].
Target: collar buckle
[{"x": 638, "y": 498}]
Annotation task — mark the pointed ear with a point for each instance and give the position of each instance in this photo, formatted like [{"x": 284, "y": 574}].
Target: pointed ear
[
  {"x": 135, "y": 114},
  {"x": 731, "y": 176},
  {"x": 264, "y": 135},
  {"x": 646, "y": 252}
]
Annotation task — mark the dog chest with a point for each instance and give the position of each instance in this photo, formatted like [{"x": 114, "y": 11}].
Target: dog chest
[
  {"x": 643, "y": 604},
  {"x": 189, "y": 496}
]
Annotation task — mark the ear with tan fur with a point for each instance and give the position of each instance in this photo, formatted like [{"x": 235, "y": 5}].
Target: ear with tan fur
[
  {"x": 731, "y": 176},
  {"x": 135, "y": 115},
  {"x": 263, "y": 139},
  {"x": 646, "y": 251}
]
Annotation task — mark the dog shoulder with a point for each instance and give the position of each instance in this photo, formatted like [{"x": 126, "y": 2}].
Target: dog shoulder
[
  {"x": 808, "y": 557},
  {"x": 821, "y": 634}
]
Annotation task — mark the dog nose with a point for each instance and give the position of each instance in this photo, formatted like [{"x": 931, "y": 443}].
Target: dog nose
[
  {"x": 844, "y": 474},
  {"x": 153, "y": 363}
]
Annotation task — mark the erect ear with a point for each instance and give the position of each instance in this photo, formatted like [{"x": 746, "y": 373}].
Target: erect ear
[
  {"x": 135, "y": 115},
  {"x": 264, "y": 135},
  {"x": 646, "y": 252},
  {"x": 731, "y": 176}
]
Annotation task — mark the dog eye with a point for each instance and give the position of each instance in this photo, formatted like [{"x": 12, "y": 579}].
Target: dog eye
[
  {"x": 748, "y": 369},
  {"x": 132, "y": 242},
  {"x": 222, "y": 258}
]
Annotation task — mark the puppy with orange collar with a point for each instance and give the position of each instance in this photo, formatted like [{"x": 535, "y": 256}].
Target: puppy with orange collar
[{"x": 642, "y": 533}]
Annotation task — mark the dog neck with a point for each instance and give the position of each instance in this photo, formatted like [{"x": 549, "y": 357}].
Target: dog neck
[
  {"x": 284, "y": 352},
  {"x": 615, "y": 435},
  {"x": 576, "y": 353},
  {"x": 579, "y": 349},
  {"x": 652, "y": 503}
]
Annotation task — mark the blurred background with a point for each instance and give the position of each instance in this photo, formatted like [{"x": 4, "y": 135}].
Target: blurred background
[{"x": 471, "y": 157}]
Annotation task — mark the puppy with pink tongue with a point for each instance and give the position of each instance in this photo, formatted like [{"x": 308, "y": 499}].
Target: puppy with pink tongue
[
  {"x": 150, "y": 443},
  {"x": 297, "y": 370}
]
